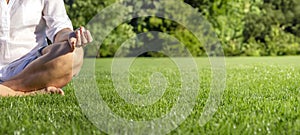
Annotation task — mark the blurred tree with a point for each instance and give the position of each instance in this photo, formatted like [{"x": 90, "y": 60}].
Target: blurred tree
[
  {"x": 244, "y": 27},
  {"x": 82, "y": 11},
  {"x": 282, "y": 13}
]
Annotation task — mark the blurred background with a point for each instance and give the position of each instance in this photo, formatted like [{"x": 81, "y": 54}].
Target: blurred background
[{"x": 244, "y": 27}]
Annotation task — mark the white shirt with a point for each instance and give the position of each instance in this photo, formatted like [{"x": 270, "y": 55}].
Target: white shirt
[{"x": 25, "y": 24}]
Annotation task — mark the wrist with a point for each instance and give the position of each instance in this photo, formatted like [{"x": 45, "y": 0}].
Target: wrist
[{"x": 63, "y": 35}]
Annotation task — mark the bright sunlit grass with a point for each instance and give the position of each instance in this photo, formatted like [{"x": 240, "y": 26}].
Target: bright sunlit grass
[{"x": 262, "y": 96}]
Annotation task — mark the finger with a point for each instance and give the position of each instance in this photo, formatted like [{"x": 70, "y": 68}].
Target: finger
[
  {"x": 89, "y": 36},
  {"x": 72, "y": 43},
  {"x": 83, "y": 36},
  {"x": 78, "y": 38},
  {"x": 72, "y": 40}
]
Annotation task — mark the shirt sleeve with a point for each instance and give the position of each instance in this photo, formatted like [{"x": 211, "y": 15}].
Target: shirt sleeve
[{"x": 56, "y": 17}]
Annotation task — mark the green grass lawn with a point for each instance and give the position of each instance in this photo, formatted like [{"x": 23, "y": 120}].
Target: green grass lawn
[{"x": 262, "y": 96}]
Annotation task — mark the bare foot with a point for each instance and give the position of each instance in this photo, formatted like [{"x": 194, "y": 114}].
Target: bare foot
[
  {"x": 48, "y": 90},
  {"x": 8, "y": 92}
]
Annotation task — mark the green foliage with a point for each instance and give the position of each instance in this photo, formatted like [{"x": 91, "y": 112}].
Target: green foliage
[
  {"x": 122, "y": 34},
  {"x": 280, "y": 43},
  {"x": 82, "y": 11},
  {"x": 275, "y": 29},
  {"x": 187, "y": 38},
  {"x": 244, "y": 27},
  {"x": 285, "y": 13}
]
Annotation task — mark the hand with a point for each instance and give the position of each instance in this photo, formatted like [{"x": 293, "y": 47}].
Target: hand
[{"x": 80, "y": 38}]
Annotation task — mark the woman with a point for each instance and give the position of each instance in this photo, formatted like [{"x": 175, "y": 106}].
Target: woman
[{"x": 28, "y": 65}]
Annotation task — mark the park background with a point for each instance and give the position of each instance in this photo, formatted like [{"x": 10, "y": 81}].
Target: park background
[
  {"x": 244, "y": 27},
  {"x": 262, "y": 94}
]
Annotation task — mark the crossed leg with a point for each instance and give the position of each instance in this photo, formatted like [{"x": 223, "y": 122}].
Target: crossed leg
[{"x": 48, "y": 73}]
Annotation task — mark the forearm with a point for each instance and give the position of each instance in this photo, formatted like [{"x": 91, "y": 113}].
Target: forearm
[{"x": 62, "y": 35}]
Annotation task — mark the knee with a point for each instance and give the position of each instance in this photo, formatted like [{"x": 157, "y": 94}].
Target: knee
[
  {"x": 70, "y": 64},
  {"x": 63, "y": 69},
  {"x": 65, "y": 66}
]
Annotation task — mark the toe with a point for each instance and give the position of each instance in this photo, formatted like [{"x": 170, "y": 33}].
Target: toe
[{"x": 54, "y": 90}]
